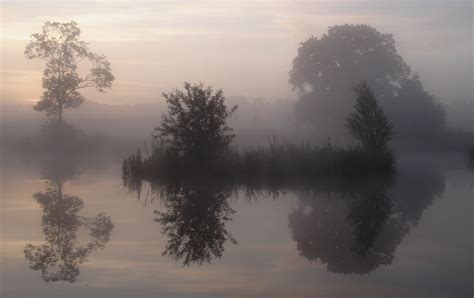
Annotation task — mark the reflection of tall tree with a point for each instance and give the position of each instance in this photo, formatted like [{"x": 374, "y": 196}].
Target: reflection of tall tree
[
  {"x": 349, "y": 239},
  {"x": 416, "y": 189},
  {"x": 368, "y": 216},
  {"x": 360, "y": 232},
  {"x": 194, "y": 222},
  {"x": 59, "y": 258}
]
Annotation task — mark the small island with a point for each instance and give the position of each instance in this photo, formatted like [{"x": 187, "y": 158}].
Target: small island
[{"x": 194, "y": 140}]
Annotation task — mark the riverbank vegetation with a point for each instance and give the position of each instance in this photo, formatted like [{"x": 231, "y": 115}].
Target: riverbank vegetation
[{"x": 194, "y": 138}]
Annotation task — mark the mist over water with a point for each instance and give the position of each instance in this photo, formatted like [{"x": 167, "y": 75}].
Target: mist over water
[
  {"x": 231, "y": 149},
  {"x": 352, "y": 235}
]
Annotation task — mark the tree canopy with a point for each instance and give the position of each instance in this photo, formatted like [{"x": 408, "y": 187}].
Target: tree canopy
[
  {"x": 195, "y": 125},
  {"x": 60, "y": 46},
  {"x": 326, "y": 69},
  {"x": 411, "y": 102},
  {"x": 346, "y": 55}
]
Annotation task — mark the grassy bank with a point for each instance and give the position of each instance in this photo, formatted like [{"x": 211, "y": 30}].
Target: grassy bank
[{"x": 276, "y": 161}]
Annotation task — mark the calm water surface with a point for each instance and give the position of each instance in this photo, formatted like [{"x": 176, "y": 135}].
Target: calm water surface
[{"x": 75, "y": 231}]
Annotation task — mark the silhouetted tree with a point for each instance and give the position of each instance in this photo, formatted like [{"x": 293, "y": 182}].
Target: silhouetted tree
[
  {"x": 194, "y": 222},
  {"x": 415, "y": 110},
  {"x": 195, "y": 126},
  {"x": 368, "y": 123},
  {"x": 60, "y": 47},
  {"x": 59, "y": 258},
  {"x": 326, "y": 69},
  {"x": 346, "y": 55}
]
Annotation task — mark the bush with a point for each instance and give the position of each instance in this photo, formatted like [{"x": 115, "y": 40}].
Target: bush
[{"x": 195, "y": 127}]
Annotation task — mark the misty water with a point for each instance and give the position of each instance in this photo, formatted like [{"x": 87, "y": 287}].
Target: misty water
[{"x": 411, "y": 237}]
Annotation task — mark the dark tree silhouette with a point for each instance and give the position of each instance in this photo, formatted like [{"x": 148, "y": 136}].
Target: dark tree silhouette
[
  {"x": 368, "y": 123},
  {"x": 194, "y": 222},
  {"x": 59, "y": 45},
  {"x": 411, "y": 102},
  {"x": 59, "y": 258},
  {"x": 326, "y": 69},
  {"x": 195, "y": 126},
  {"x": 346, "y": 55}
]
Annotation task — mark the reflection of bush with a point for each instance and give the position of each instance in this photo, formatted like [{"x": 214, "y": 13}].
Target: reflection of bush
[{"x": 194, "y": 222}]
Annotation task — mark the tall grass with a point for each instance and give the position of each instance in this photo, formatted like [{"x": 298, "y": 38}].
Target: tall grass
[
  {"x": 276, "y": 161},
  {"x": 304, "y": 159}
]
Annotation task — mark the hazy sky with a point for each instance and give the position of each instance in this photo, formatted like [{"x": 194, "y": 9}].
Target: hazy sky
[{"x": 243, "y": 47}]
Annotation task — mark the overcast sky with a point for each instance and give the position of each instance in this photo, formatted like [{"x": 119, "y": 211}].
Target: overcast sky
[{"x": 244, "y": 47}]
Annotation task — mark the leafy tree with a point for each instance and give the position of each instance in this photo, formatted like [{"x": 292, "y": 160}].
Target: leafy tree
[
  {"x": 195, "y": 126},
  {"x": 411, "y": 102},
  {"x": 59, "y": 45},
  {"x": 326, "y": 69},
  {"x": 368, "y": 123},
  {"x": 346, "y": 55}
]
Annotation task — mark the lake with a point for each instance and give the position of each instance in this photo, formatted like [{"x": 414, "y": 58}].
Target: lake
[{"x": 74, "y": 230}]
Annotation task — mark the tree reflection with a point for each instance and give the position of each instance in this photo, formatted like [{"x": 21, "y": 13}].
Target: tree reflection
[
  {"x": 343, "y": 233},
  {"x": 350, "y": 225},
  {"x": 368, "y": 216},
  {"x": 194, "y": 221},
  {"x": 358, "y": 229},
  {"x": 59, "y": 258}
]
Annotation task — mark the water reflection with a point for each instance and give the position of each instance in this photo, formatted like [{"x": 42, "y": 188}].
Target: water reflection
[
  {"x": 359, "y": 230},
  {"x": 368, "y": 216},
  {"x": 59, "y": 257},
  {"x": 353, "y": 233},
  {"x": 351, "y": 226},
  {"x": 194, "y": 221}
]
